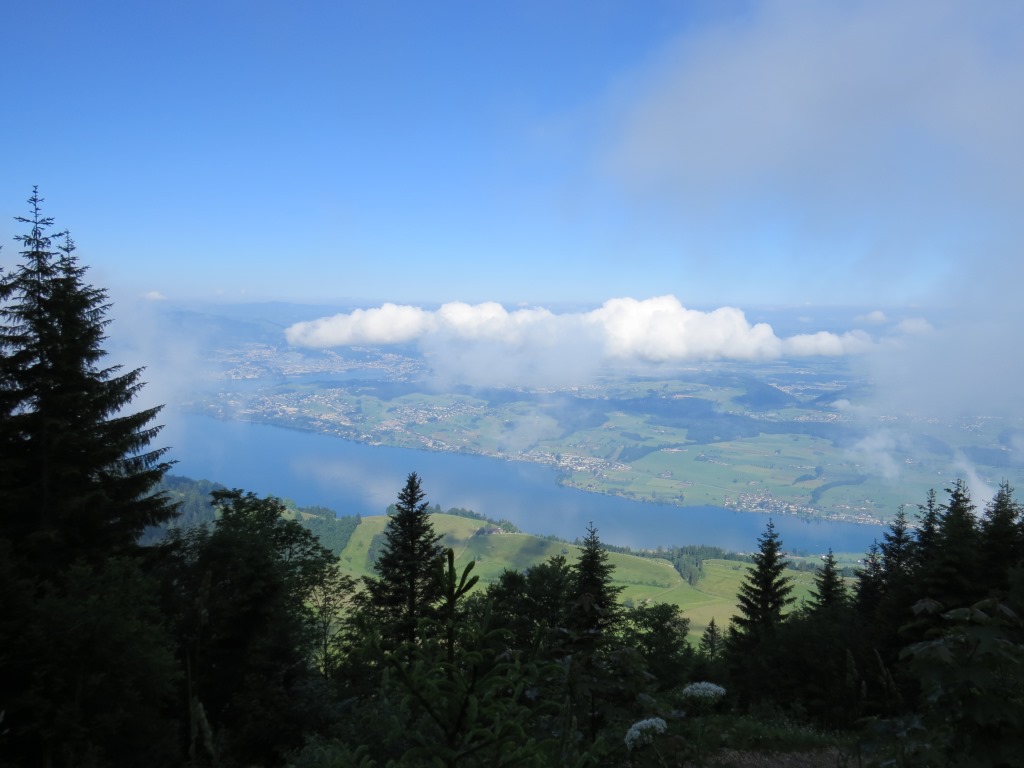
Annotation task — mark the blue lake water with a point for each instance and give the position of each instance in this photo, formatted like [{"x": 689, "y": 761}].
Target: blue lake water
[{"x": 352, "y": 478}]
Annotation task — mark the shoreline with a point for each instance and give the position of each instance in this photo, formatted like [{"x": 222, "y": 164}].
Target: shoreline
[{"x": 423, "y": 445}]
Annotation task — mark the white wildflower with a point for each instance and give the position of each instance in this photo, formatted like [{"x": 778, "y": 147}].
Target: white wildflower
[
  {"x": 704, "y": 692},
  {"x": 643, "y": 732}
]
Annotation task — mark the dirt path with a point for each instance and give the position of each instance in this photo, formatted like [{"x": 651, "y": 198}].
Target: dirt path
[{"x": 821, "y": 758}]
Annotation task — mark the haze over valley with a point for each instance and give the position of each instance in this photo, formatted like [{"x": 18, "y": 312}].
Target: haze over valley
[
  {"x": 803, "y": 436},
  {"x": 758, "y": 255}
]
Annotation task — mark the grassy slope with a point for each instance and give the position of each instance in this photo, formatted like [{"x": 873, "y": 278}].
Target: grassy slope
[{"x": 641, "y": 578}]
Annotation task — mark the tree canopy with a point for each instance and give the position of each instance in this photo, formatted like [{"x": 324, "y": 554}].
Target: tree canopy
[{"x": 76, "y": 469}]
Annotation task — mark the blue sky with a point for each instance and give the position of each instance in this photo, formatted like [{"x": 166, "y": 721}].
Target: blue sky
[{"x": 529, "y": 153}]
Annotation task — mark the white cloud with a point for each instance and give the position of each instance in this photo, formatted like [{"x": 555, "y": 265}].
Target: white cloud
[
  {"x": 824, "y": 343},
  {"x": 662, "y": 329},
  {"x": 154, "y": 296},
  {"x": 486, "y": 342},
  {"x": 884, "y": 133},
  {"x": 864, "y": 90},
  {"x": 492, "y": 322},
  {"x": 387, "y": 324},
  {"x": 872, "y": 318},
  {"x": 982, "y": 492},
  {"x": 879, "y": 452},
  {"x": 913, "y": 326}
]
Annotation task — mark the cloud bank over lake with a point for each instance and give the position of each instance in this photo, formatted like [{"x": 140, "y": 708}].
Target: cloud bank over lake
[{"x": 624, "y": 330}]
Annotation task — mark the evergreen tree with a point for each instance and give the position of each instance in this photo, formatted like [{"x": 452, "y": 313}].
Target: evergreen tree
[
  {"x": 711, "y": 642},
  {"x": 752, "y": 648},
  {"x": 765, "y": 592},
  {"x": 947, "y": 570},
  {"x": 533, "y": 607},
  {"x": 596, "y": 610},
  {"x": 85, "y": 661},
  {"x": 711, "y": 662},
  {"x": 240, "y": 598},
  {"x": 406, "y": 587},
  {"x": 950, "y": 574},
  {"x": 76, "y": 472},
  {"x": 897, "y": 546},
  {"x": 102, "y": 673},
  {"x": 657, "y": 631},
  {"x": 900, "y": 561},
  {"x": 928, "y": 518},
  {"x": 867, "y": 593},
  {"x": 598, "y": 675},
  {"x": 829, "y": 592},
  {"x": 1002, "y": 539}
]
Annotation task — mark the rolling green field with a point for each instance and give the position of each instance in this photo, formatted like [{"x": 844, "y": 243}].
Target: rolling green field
[
  {"x": 641, "y": 578},
  {"x": 766, "y": 439}
]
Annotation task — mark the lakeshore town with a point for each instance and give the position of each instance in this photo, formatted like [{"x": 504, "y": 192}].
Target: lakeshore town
[{"x": 318, "y": 406}]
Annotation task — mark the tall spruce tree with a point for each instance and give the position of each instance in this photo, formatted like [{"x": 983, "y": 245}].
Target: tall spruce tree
[
  {"x": 870, "y": 584},
  {"x": 407, "y": 586},
  {"x": 711, "y": 642},
  {"x": 752, "y": 645},
  {"x": 765, "y": 592},
  {"x": 929, "y": 517},
  {"x": 897, "y": 550},
  {"x": 86, "y": 668},
  {"x": 76, "y": 470},
  {"x": 596, "y": 610},
  {"x": 1002, "y": 539},
  {"x": 900, "y": 560},
  {"x": 829, "y": 592},
  {"x": 950, "y": 575}
]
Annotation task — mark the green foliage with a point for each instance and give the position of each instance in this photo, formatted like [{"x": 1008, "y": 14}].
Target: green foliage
[
  {"x": 247, "y": 631},
  {"x": 97, "y": 668},
  {"x": 764, "y": 594},
  {"x": 333, "y": 753},
  {"x": 86, "y": 668},
  {"x": 464, "y": 694},
  {"x": 596, "y": 608},
  {"x": 710, "y": 662},
  {"x": 505, "y": 525},
  {"x": 898, "y": 547},
  {"x": 867, "y": 592},
  {"x": 1001, "y": 545},
  {"x": 712, "y": 644},
  {"x": 533, "y": 606},
  {"x": 657, "y": 632},
  {"x": 689, "y": 560},
  {"x": 821, "y": 680},
  {"x": 334, "y": 533},
  {"x": 191, "y": 499},
  {"x": 948, "y": 666},
  {"x": 768, "y": 732},
  {"x": 331, "y": 597},
  {"x": 74, "y": 461},
  {"x": 950, "y": 572},
  {"x": 829, "y": 593},
  {"x": 406, "y": 587},
  {"x": 753, "y": 642},
  {"x": 971, "y": 675}
]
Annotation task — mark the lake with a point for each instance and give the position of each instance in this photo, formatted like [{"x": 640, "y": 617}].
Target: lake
[{"x": 355, "y": 478}]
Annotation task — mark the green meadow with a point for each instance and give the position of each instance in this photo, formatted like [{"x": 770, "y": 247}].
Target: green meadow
[
  {"x": 674, "y": 442},
  {"x": 642, "y": 578}
]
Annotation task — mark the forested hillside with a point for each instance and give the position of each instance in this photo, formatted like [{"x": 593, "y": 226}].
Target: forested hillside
[{"x": 141, "y": 626}]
